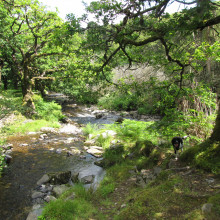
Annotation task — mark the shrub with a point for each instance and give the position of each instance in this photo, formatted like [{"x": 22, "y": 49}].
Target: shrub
[{"x": 49, "y": 111}]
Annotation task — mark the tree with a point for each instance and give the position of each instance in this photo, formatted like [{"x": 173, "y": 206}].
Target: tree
[
  {"x": 144, "y": 24},
  {"x": 32, "y": 36}
]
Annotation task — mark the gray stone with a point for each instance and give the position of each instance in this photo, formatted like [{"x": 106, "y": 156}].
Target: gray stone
[
  {"x": 58, "y": 190},
  {"x": 157, "y": 170},
  {"x": 35, "y": 213},
  {"x": 59, "y": 151},
  {"x": 44, "y": 179},
  {"x": 95, "y": 151},
  {"x": 49, "y": 198},
  {"x": 36, "y": 195},
  {"x": 207, "y": 208},
  {"x": 48, "y": 130},
  {"x": 87, "y": 179},
  {"x": 89, "y": 142}
]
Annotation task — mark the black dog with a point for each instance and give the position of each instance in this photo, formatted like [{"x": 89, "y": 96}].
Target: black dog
[{"x": 177, "y": 143}]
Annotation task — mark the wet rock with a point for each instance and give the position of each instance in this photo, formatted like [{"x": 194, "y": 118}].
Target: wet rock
[
  {"x": 36, "y": 195},
  {"x": 119, "y": 120},
  {"x": 59, "y": 177},
  {"x": 65, "y": 120},
  {"x": 43, "y": 136},
  {"x": 82, "y": 157},
  {"x": 75, "y": 151},
  {"x": 49, "y": 198},
  {"x": 100, "y": 163},
  {"x": 69, "y": 153},
  {"x": 89, "y": 142},
  {"x": 95, "y": 151},
  {"x": 58, "y": 190},
  {"x": 45, "y": 188},
  {"x": 35, "y": 213},
  {"x": 44, "y": 179},
  {"x": 70, "y": 129},
  {"x": 48, "y": 130},
  {"x": 59, "y": 151},
  {"x": 87, "y": 179},
  {"x": 99, "y": 115},
  {"x": 7, "y": 146},
  {"x": 8, "y": 159}
]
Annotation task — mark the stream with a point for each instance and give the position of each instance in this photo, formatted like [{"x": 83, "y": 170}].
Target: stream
[{"x": 36, "y": 154}]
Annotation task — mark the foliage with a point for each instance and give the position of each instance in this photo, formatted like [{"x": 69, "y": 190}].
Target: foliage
[
  {"x": 78, "y": 208},
  {"x": 204, "y": 156},
  {"x": 49, "y": 111},
  {"x": 11, "y": 107},
  {"x": 215, "y": 200},
  {"x": 2, "y": 162}
]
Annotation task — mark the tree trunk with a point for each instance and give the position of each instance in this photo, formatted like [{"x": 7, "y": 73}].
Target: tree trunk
[
  {"x": 216, "y": 132},
  {"x": 26, "y": 85},
  {"x": 1, "y": 66}
]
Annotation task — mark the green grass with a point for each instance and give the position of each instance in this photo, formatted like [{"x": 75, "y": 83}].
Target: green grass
[{"x": 63, "y": 208}]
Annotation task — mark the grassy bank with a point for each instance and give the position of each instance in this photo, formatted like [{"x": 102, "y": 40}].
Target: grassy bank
[
  {"x": 15, "y": 119},
  {"x": 177, "y": 192}
]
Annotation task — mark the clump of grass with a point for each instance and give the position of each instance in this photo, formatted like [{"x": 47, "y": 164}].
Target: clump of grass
[
  {"x": 90, "y": 129},
  {"x": 80, "y": 207}
]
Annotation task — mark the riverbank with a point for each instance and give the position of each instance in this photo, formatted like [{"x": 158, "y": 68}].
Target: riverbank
[{"x": 142, "y": 181}]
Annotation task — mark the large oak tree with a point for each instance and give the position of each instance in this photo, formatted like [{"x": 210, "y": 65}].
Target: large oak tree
[{"x": 146, "y": 23}]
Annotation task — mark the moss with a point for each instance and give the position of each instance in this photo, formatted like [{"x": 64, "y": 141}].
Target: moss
[{"x": 215, "y": 200}]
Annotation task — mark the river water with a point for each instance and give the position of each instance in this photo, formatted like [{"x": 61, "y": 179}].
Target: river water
[{"x": 34, "y": 156}]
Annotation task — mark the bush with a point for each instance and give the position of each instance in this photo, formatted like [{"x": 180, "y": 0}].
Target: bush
[
  {"x": 49, "y": 111},
  {"x": 119, "y": 102}
]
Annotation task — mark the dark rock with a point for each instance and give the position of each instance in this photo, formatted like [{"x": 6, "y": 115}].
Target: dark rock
[
  {"x": 74, "y": 177},
  {"x": 99, "y": 115},
  {"x": 119, "y": 120},
  {"x": 59, "y": 177},
  {"x": 8, "y": 159},
  {"x": 65, "y": 120}
]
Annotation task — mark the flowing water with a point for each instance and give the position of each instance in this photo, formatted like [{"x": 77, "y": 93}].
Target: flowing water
[{"x": 34, "y": 156}]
